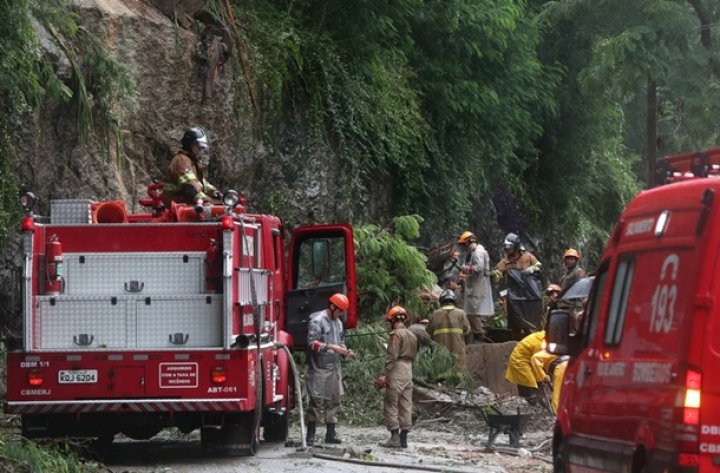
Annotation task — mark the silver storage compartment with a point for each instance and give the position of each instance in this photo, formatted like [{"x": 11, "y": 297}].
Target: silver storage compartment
[
  {"x": 70, "y": 211},
  {"x": 134, "y": 273},
  {"x": 179, "y": 322},
  {"x": 82, "y": 323}
]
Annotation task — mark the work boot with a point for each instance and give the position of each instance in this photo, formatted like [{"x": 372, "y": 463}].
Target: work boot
[
  {"x": 394, "y": 441},
  {"x": 403, "y": 438},
  {"x": 310, "y": 434},
  {"x": 330, "y": 436}
]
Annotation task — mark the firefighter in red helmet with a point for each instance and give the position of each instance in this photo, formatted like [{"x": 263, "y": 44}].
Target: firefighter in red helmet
[
  {"x": 396, "y": 377},
  {"x": 326, "y": 349}
]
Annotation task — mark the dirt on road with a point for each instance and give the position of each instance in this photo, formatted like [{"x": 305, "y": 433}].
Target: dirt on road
[{"x": 431, "y": 444}]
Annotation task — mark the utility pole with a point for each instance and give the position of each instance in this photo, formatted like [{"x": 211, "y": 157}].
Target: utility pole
[{"x": 651, "y": 132}]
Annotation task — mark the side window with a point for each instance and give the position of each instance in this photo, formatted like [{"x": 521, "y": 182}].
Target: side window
[
  {"x": 321, "y": 262},
  {"x": 619, "y": 301},
  {"x": 595, "y": 302}
]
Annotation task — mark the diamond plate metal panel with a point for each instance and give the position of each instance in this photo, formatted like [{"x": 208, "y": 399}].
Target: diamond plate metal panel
[
  {"x": 261, "y": 278},
  {"x": 70, "y": 211},
  {"x": 180, "y": 322},
  {"x": 82, "y": 323},
  {"x": 134, "y": 273}
]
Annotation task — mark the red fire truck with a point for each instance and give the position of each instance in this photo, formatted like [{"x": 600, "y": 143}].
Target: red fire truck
[
  {"x": 179, "y": 317},
  {"x": 642, "y": 392}
]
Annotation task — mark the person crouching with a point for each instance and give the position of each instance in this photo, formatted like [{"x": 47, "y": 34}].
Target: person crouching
[{"x": 396, "y": 378}]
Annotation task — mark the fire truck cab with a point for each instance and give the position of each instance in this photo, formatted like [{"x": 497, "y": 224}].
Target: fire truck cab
[
  {"x": 642, "y": 391},
  {"x": 183, "y": 317}
]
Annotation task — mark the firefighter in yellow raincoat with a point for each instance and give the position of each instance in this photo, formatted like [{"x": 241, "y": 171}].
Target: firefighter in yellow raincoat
[
  {"x": 550, "y": 368},
  {"x": 520, "y": 369}
]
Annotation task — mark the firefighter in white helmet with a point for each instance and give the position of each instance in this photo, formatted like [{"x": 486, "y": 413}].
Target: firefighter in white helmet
[
  {"x": 396, "y": 378},
  {"x": 185, "y": 178}
]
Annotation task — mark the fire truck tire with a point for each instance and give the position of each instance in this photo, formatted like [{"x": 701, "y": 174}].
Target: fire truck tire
[
  {"x": 276, "y": 427},
  {"x": 141, "y": 433},
  {"x": 237, "y": 436},
  {"x": 560, "y": 457},
  {"x": 639, "y": 463},
  {"x": 100, "y": 447}
]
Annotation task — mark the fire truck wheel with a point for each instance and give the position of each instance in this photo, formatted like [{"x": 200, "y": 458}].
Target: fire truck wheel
[
  {"x": 559, "y": 454},
  {"x": 237, "y": 436},
  {"x": 141, "y": 432},
  {"x": 639, "y": 464},
  {"x": 275, "y": 427},
  {"x": 100, "y": 447}
]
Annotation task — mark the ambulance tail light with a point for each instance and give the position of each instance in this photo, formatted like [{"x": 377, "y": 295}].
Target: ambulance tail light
[
  {"x": 691, "y": 406},
  {"x": 35, "y": 378},
  {"x": 218, "y": 375},
  {"x": 687, "y": 428}
]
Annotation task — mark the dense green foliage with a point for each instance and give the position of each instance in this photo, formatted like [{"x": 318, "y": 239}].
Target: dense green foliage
[
  {"x": 389, "y": 269},
  {"x": 457, "y": 105},
  {"x": 28, "y": 78},
  {"x": 25, "y": 455},
  {"x": 535, "y": 107}
]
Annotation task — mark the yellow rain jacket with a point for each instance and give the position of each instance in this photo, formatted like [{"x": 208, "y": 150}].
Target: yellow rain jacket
[
  {"x": 542, "y": 361},
  {"x": 520, "y": 369}
]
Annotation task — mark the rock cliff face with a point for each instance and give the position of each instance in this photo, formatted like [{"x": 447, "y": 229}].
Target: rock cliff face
[
  {"x": 159, "y": 44},
  {"x": 156, "y": 42}
]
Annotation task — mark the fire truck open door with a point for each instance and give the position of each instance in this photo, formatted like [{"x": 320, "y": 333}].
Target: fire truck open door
[{"x": 321, "y": 263}]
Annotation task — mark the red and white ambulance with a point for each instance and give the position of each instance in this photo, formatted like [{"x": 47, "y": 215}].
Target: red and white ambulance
[
  {"x": 642, "y": 391},
  {"x": 176, "y": 318}
]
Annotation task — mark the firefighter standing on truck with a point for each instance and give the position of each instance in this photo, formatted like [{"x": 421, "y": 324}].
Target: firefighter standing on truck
[
  {"x": 520, "y": 271},
  {"x": 185, "y": 178},
  {"x": 478, "y": 301},
  {"x": 326, "y": 348},
  {"x": 397, "y": 379},
  {"x": 449, "y": 326}
]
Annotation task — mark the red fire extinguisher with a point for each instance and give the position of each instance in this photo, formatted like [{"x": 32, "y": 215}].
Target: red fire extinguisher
[
  {"x": 54, "y": 280},
  {"x": 212, "y": 267}
]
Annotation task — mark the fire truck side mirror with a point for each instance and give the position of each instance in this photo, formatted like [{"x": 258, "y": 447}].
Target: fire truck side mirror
[{"x": 558, "y": 332}]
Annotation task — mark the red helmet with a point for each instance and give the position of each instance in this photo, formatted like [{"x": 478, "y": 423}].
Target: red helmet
[
  {"x": 396, "y": 311},
  {"x": 572, "y": 253},
  {"x": 340, "y": 301}
]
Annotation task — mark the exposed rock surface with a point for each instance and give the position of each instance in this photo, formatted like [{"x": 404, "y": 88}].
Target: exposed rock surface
[
  {"x": 157, "y": 44},
  {"x": 160, "y": 56}
]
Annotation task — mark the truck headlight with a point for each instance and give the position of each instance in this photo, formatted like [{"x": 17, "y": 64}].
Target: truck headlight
[
  {"x": 231, "y": 198},
  {"x": 28, "y": 201}
]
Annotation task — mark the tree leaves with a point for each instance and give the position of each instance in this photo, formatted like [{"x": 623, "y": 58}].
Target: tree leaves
[{"x": 390, "y": 270}]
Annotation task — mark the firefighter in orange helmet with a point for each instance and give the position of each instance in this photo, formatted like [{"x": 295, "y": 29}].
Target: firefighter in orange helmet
[
  {"x": 573, "y": 271},
  {"x": 185, "y": 176},
  {"x": 477, "y": 294},
  {"x": 396, "y": 377},
  {"x": 323, "y": 380}
]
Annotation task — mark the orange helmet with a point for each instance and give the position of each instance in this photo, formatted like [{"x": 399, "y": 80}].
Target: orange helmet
[
  {"x": 571, "y": 252},
  {"x": 340, "y": 301},
  {"x": 467, "y": 237},
  {"x": 395, "y": 311}
]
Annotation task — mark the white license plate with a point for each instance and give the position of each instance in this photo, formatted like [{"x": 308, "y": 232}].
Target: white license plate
[{"x": 77, "y": 376}]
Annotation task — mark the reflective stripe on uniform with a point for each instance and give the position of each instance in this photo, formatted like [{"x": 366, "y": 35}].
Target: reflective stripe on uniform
[
  {"x": 440, "y": 331},
  {"x": 187, "y": 177}
]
